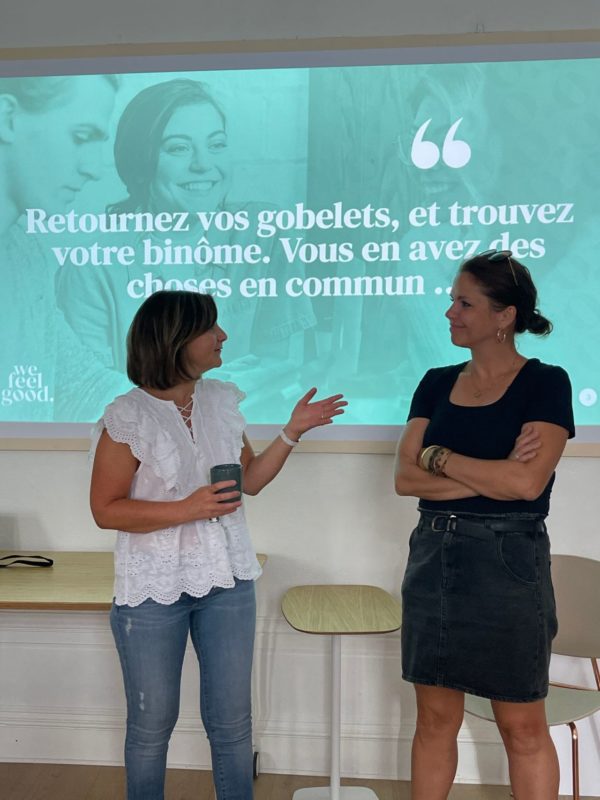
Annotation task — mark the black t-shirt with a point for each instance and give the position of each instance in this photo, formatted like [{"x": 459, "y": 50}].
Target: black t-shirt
[{"x": 539, "y": 392}]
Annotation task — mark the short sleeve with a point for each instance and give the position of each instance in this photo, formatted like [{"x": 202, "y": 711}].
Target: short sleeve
[
  {"x": 95, "y": 434},
  {"x": 436, "y": 383},
  {"x": 129, "y": 420},
  {"x": 222, "y": 399},
  {"x": 423, "y": 398},
  {"x": 231, "y": 389},
  {"x": 551, "y": 398}
]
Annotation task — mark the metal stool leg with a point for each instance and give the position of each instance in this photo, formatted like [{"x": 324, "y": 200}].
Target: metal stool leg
[
  {"x": 575, "y": 759},
  {"x": 335, "y": 791},
  {"x": 336, "y": 714}
]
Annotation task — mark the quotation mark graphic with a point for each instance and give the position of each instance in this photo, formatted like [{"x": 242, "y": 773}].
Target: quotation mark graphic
[{"x": 425, "y": 154}]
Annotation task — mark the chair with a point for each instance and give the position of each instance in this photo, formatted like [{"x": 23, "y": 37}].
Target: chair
[{"x": 577, "y": 590}]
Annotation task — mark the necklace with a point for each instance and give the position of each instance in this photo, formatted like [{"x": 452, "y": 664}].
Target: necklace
[{"x": 478, "y": 391}]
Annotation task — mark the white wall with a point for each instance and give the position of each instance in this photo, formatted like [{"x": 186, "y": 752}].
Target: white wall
[{"x": 328, "y": 518}]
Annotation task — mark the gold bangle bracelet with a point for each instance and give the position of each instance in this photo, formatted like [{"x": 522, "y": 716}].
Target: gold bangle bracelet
[
  {"x": 425, "y": 456},
  {"x": 440, "y": 460}
]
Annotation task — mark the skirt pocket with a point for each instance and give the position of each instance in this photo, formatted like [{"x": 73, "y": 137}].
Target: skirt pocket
[{"x": 518, "y": 557}]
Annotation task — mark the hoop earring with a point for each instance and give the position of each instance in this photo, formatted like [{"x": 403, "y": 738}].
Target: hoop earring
[{"x": 500, "y": 336}]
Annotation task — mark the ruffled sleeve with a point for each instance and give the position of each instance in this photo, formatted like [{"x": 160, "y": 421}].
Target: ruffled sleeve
[
  {"x": 227, "y": 390},
  {"x": 130, "y": 420},
  {"x": 223, "y": 398},
  {"x": 95, "y": 435}
]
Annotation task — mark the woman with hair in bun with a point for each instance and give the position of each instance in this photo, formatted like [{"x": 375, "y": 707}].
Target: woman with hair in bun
[{"x": 479, "y": 450}]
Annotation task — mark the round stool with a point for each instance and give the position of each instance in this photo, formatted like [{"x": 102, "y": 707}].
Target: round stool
[{"x": 339, "y": 610}]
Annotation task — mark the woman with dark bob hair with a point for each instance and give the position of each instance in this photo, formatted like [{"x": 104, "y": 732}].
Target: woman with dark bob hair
[
  {"x": 184, "y": 562},
  {"x": 479, "y": 450}
]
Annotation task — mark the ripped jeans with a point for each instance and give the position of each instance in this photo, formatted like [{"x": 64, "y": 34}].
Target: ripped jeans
[{"x": 151, "y": 640}]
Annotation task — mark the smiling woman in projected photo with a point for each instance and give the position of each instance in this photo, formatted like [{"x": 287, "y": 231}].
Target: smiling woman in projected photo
[
  {"x": 479, "y": 451},
  {"x": 172, "y": 154},
  {"x": 50, "y": 147}
]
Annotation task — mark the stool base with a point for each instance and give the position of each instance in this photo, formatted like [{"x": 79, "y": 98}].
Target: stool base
[{"x": 345, "y": 793}]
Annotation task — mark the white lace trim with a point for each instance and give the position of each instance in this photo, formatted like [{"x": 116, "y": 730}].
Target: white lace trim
[{"x": 198, "y": 555}]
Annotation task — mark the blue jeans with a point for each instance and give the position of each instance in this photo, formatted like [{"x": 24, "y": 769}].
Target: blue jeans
[{"x": 151, "y": 640}]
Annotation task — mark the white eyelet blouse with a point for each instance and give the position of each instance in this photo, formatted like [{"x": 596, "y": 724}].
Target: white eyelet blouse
[{"x": 198, "y": 555}]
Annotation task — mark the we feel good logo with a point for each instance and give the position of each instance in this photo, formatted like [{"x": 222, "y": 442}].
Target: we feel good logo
[
  {"x": 454, "y": 152},
  {"x": 25, "y": 385}
]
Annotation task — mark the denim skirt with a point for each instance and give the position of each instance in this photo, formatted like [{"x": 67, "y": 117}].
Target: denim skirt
[{"x": 478, "y": 606}]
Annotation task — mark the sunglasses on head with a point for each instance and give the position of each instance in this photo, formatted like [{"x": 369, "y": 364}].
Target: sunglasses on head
[{"x": 501, "y": 255}]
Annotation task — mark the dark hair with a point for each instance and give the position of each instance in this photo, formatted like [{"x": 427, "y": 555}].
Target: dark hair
[
  {"x": 40, "y": 93},
  {"x": 140, "y": 130},
  {"x": 504, "y": 289},
  {"x": 161, "y": 328}
]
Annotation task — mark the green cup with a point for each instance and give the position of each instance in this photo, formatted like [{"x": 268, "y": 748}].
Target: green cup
[{"x": 227, "y": 472}]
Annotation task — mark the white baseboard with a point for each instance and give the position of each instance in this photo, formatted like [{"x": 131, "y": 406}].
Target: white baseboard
[{"x": 67, "y": 736}]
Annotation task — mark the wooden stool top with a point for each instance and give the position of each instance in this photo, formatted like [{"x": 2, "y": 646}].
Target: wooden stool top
[{"x": 339, "y": 608}]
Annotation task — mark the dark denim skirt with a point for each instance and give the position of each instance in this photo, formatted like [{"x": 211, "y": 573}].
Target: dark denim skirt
[{"x": 478, "y": 606}]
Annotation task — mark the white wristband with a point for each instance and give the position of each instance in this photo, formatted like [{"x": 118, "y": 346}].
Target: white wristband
[{"x": 290, "y": 442}]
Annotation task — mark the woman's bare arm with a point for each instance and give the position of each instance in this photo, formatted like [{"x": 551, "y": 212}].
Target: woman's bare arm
[
  {"x": 112, "y": 508},
  {"x": 511, "y": 479},
  {"x": 411, "y": 480},
  {"x": 259, "y": 470}
]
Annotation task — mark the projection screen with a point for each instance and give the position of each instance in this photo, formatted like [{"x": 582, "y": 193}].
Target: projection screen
[{"x": 325, "y": 199}]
